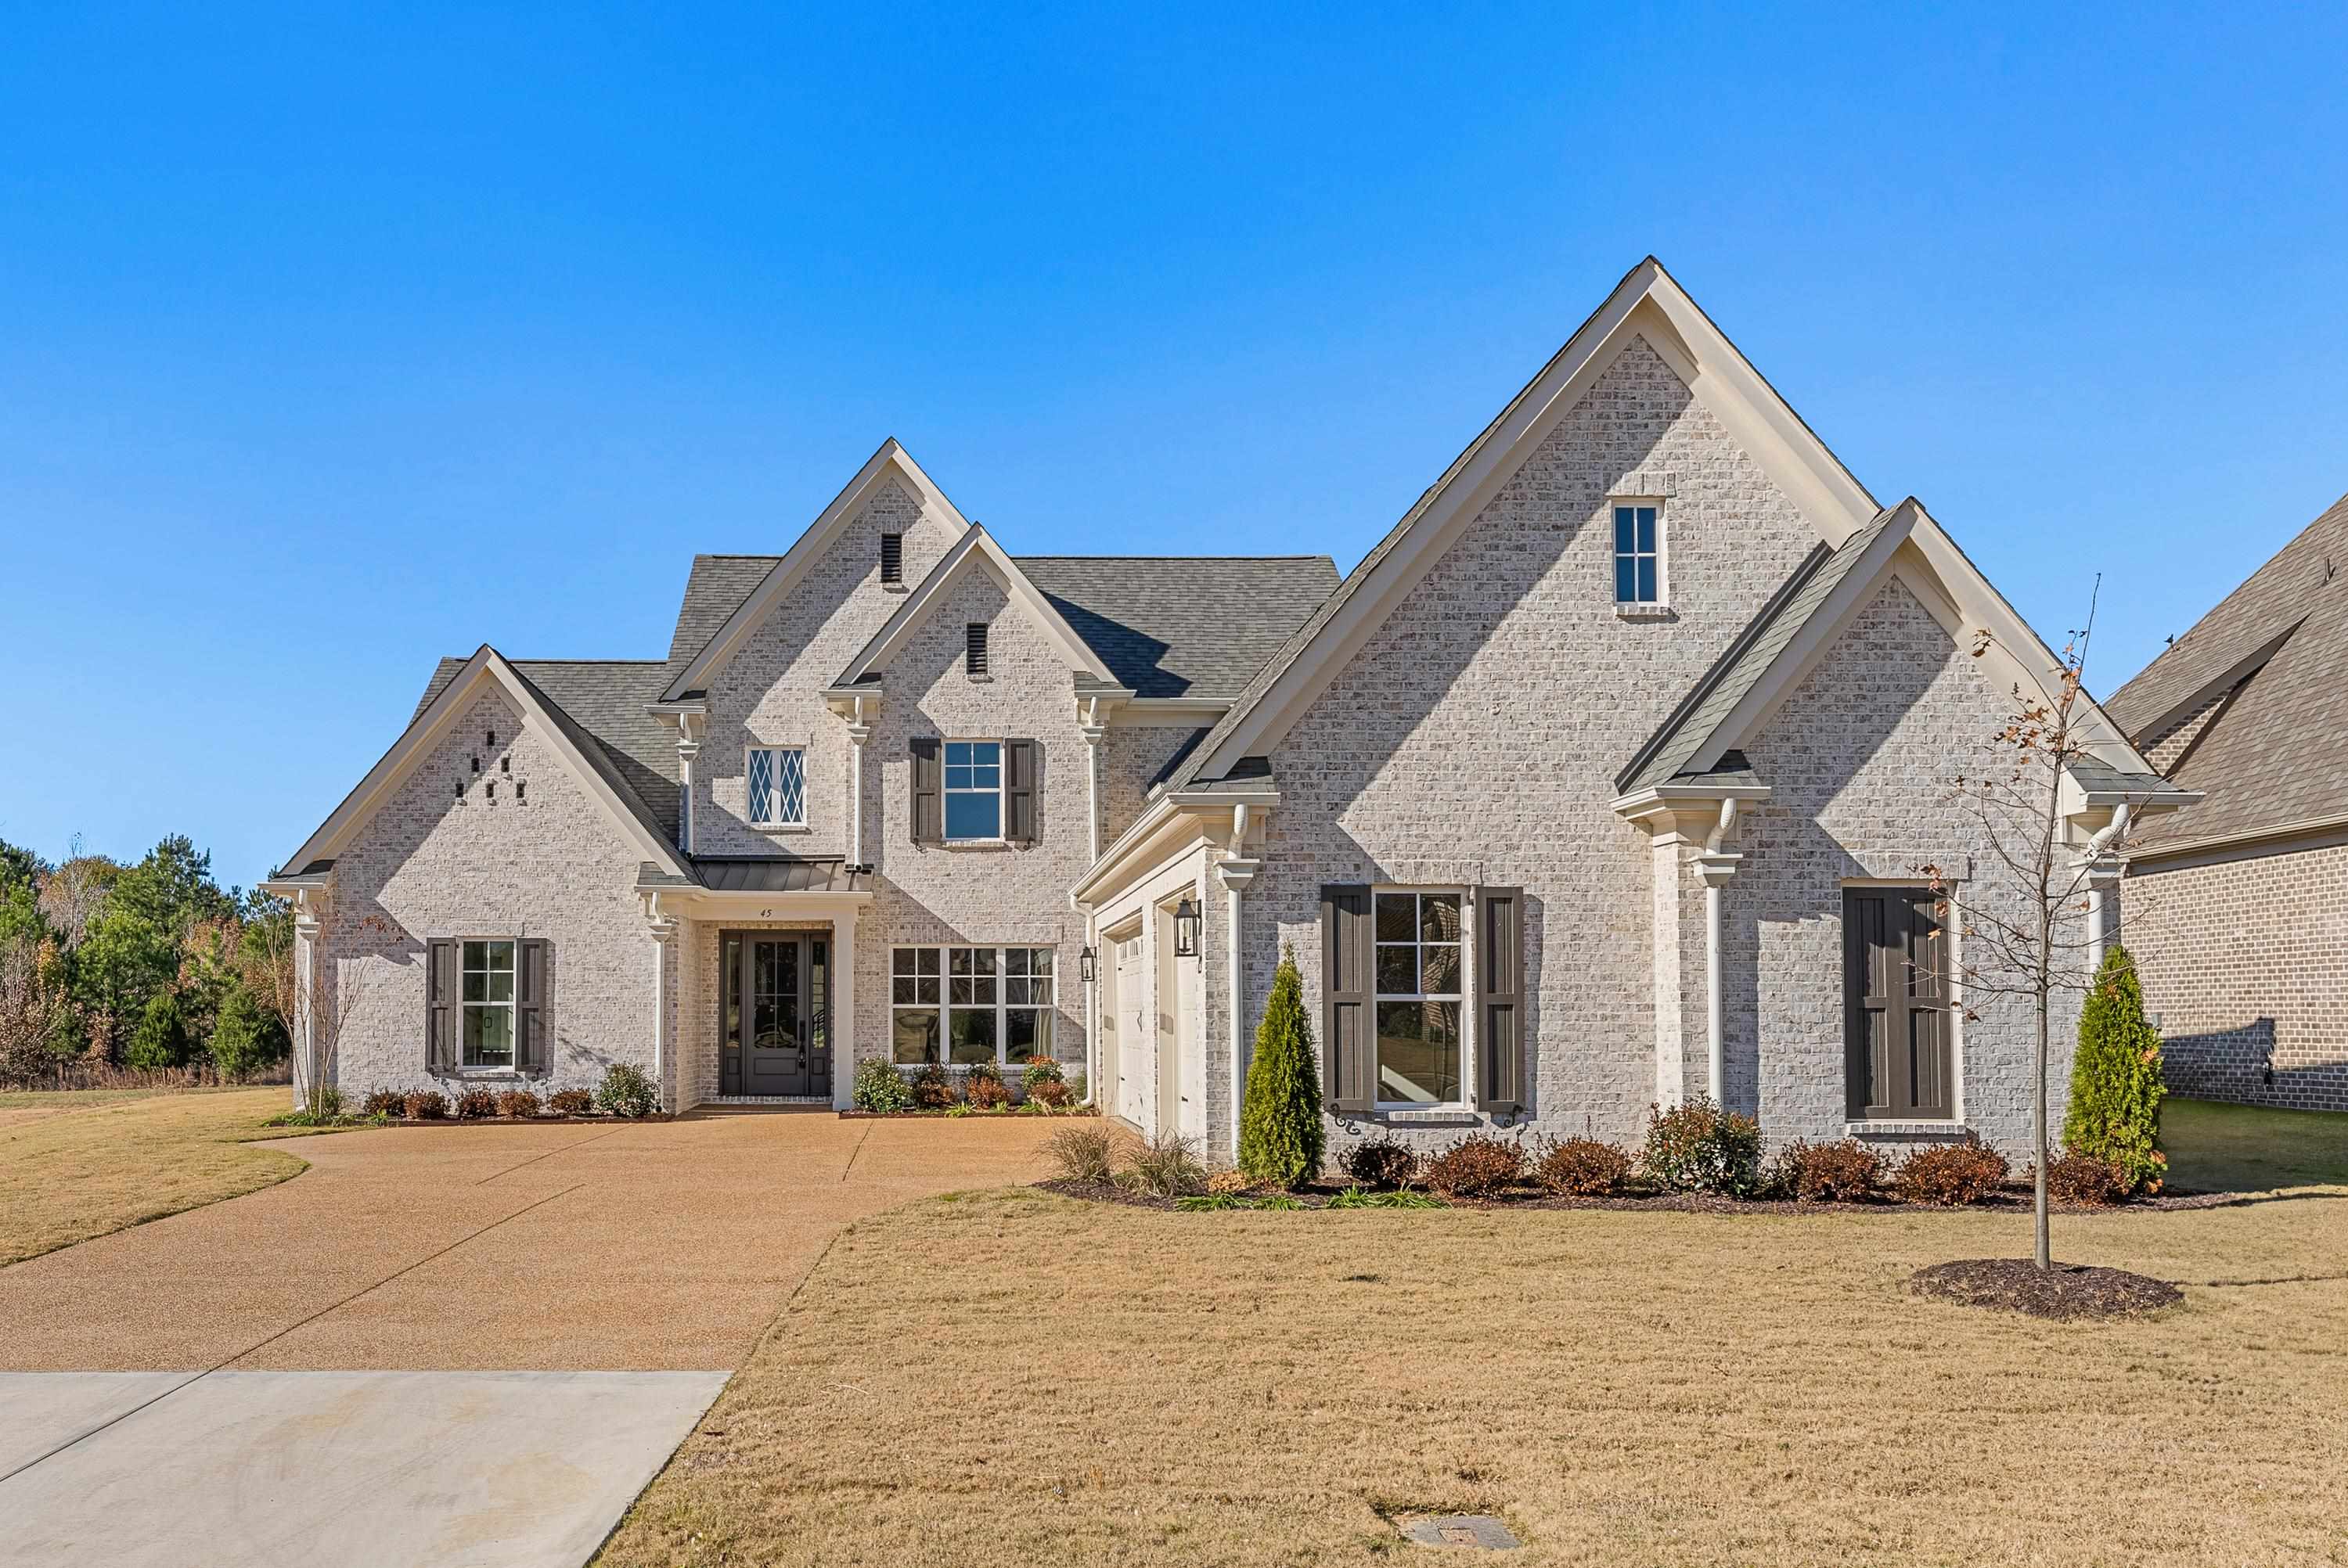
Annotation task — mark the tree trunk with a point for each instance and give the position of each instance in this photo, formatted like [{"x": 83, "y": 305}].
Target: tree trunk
[{"x": 2038, "y": 1131}]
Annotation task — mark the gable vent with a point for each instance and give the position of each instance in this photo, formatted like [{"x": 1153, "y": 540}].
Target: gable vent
[
  {"x": 892, "y": 558},
  {"x": 974, "y": 648}
]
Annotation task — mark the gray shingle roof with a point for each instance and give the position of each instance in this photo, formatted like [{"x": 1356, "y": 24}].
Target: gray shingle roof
[
  {"x": 602, "y": 703},
  {"x": 1183, "y": 626},
  {"x": 2267, "y": 604},
  {"x": 2276, "y": 752},
  {"x": 1672, "y": 749},
  {"x": 714, "y": 590}
]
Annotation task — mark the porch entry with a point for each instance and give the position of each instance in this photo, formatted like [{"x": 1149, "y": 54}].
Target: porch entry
[{"x": 775, "y": 1013}]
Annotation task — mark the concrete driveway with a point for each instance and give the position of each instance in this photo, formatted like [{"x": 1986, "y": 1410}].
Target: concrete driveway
[{"x": 637, "y": 1262}]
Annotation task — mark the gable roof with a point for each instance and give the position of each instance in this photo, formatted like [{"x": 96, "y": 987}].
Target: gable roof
[
  {"x": 714, "y": 590},
  {"x": 2274, "y": 654},
  {"x": 892, "y": 463},
  {"x": 605, "y": 780},
  {"x": 1183, "y": 626},
  {"x": 1647, "y": 304},
  {"x": 975, "y": 551},
  {"x": 1819, "y": 595},
  {"x": 605, "y": 700}
]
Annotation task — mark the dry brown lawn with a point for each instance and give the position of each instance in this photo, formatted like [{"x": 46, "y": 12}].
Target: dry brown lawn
[
  {"x": 1014, "y": 1378},
  {"x": 79, "y": 1165}
]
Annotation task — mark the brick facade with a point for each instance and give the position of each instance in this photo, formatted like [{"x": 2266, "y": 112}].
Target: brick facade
[{"x": 2244, "y": 961}]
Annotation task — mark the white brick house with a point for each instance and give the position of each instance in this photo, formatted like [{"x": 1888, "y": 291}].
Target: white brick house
[{"x": 1561, "y": 798}]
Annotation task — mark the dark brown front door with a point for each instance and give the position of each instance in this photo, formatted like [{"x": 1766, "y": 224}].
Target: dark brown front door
[
  {"x": 774, "y": 999},
  {"x": 1896, "y": 1001}
]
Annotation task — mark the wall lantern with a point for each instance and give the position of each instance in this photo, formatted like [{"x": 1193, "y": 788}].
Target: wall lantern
[
  {"x": 1085, "y": 970},
  {"x": 1186, "y": 930}
]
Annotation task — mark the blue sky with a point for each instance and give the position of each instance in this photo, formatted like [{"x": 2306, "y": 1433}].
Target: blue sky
[{"x": 335, "y": 341}]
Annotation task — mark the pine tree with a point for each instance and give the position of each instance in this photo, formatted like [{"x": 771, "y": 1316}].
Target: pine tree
[
  {"x": 162, "y": 1038},
  {"x": 1280, "y": 1125},
  {"x": 2115, "y": 1079}
]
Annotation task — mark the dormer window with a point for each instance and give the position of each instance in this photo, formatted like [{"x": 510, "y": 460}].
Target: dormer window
[
  {"x": 1639, "y": 554},
  {"x": 892, "y": 560},
  {"x": 973, "y": 649}
]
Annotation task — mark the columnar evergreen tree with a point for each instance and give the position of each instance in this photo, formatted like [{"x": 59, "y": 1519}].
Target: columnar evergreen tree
[
  {"x": 2115, "y": 1078},
  {"x": 1280, "y": 1138},
  {"x": 160, "y": 1038}
]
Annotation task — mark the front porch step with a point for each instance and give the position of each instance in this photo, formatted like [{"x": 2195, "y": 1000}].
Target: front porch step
[{"x": 753, "y": 1104}]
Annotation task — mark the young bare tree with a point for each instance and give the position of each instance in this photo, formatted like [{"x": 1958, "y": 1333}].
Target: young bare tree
[
  {"x": 2024, "y": 931},
  {"x": 315, "y": 1010}
]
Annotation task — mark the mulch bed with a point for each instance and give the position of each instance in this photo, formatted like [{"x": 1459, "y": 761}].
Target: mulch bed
[
  {"x": 2013, "y": 1198},
  {"x": 967, "y": 1115},
  {"x": 2065, "y": 1292}
]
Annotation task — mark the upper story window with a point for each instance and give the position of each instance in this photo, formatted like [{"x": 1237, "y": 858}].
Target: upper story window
[
  {"x": 973, "y": 790},
  {"x": 893, "y": 560},
  {"x": 1418, "y": 999},
  {"x": 973, "y": 647},
  {"x": 777, "y": 776},
  {"x": 1638, "y": 552}
]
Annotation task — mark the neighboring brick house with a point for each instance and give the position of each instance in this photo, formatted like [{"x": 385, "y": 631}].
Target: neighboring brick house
[
  {"x": 1606, "y": 779},
  {"x": 2237, "y": 906}
]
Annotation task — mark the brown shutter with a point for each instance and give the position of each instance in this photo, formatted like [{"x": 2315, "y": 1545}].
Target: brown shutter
[
  {"x": 531, "y": 972},
  {"x": 1348, "y": 1024},
  {"x": 1896, "y": 1001},
  {"x": 1019, "y": 823},
  {"x": 929, "y": 785},
  {"x": 441, "y": 985},
  {"x": 1931, "y": 1084},
  {"x": 1501, "y": 998}
]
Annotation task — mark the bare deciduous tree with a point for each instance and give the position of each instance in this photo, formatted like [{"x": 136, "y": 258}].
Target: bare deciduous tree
[{"x": 2024, "y": 930}]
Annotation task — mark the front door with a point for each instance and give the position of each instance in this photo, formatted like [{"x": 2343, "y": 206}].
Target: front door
[{"x": 775, "y": 1007}]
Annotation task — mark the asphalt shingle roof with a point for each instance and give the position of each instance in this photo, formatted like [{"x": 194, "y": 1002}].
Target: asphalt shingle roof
[
  {"x": 1183, "y": 626},
  {"x": 603, "y": 700},
  {"x": 2276, "y": 753},
  {"x": 714, "y": 590}
]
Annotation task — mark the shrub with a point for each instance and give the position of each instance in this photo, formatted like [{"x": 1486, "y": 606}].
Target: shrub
[
  {"x": 475, "y": 1105},
  {"x": 1380, "y": 1161},
  {"x": 160, "y": 1038},
  {"x": 2073, "y": 1177},
  {"x": 571, "y": 1102},
  {"x": 1168, "y": 1166},
  {"x": 2115, "y": 1080},
  {"x": 1228, "y": 1182},
  {"x": 1700, "y": 1148},
  {"x": 933, "y": 1087},
  {"x": 328, "y": 1102},
  {"x": 1281, "y": 1138},
  {"x": 1477, "y": 1165},
  {"x": 1950, "y": 1173},
  {"x": 246, "y": 1036},
  {"x": 425, "y": 1105},
  {"x": 1844, "y": 1172},
  {"x": 626, "y": 1091},
  {"x": 1040, "y": 1070},
  {"x": 1083, "y": 1154},
  {"x": 517, "y": 1102},
  {"x": 1052, "y": 1094},
  {"x": 879, "y": 1087},
  {"x": 385, "y": 1102},
  {"x": 1582, "y": 1168},
  {"x": 986, "y": 1091}
]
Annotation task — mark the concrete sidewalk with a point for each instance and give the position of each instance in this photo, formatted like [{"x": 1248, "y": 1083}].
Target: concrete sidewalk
[{"x": 258, "y": 1469}]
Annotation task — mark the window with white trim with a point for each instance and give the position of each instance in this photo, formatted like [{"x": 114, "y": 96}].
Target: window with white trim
[
  {"x": 778, "y": 780},
  {"x": 963, "y": 1005},
  {"x": 1638, "y": 552},
  {"x": 1419, "y": 1000},
  {"x": 974, "y": 791},
  {"x": 489, "y": 1004}
]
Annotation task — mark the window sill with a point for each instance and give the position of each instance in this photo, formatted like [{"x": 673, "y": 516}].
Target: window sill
[
  {"x": 1643, "y": 611},
  {"x": 1428, "y": 1115},
  {"x": 1864, "y": 1129},
  {"x": 974, "y": 845},
  {"x": 981, "y": 680},
  {"x": 896, "y": 588},
  {"x": 781, "y": 827}
]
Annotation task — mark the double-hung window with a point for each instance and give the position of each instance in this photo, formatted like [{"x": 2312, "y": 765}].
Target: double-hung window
[
  {"x": 965, "y": 1005},
  {"x": 1418, "y": 999},
  {"x": 489, "y": 1004},
  {"x": 1638, "y": 553},
  {"x": 777, "y": 785},
  {"x": 973, "y": 790}
]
